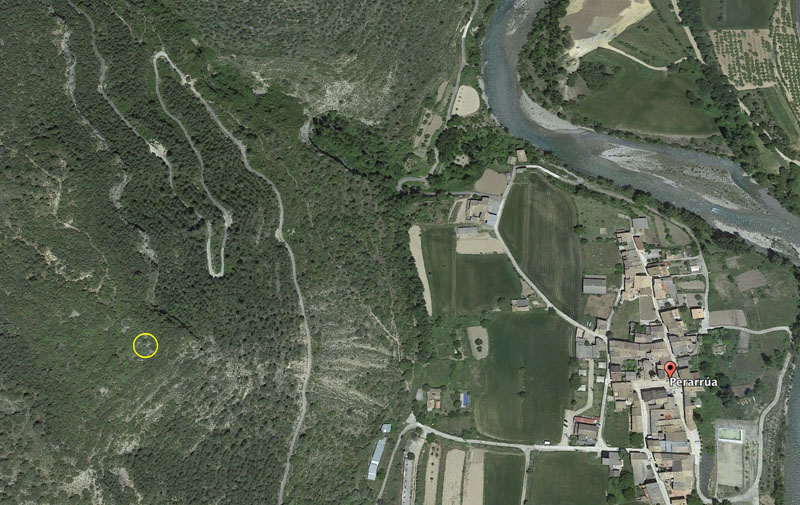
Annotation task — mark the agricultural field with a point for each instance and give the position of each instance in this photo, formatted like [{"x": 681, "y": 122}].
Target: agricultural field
[
  {"x": 658, "y": 39},
  {"x": 745, "y": 57},
  {"x": 503, "y": 478},
  {"x": 643, "y": 100},
  {"x": 737, "y": 14},
  {"x": 768, "y": 296},
  {"x": 553, "y": 480},
  {"x": 464, "y": 283},
  {"x": 787, "y": 50},
  {"x": 537, "y": 225},
  {"x": 525, "y": 376}
]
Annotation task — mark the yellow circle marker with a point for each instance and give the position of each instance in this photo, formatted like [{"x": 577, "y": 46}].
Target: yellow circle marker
[{"x": 149, "y": 355}]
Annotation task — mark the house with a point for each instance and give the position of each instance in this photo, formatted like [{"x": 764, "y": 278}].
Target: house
[
  {"x": 520, "y": 305},
  {"x": 640, "y": 223},
  {"x": 594, "y": 285},
  {"x": 614, "y": 463},
  {"x": 464, "y": 400},
  {"x": 434, "y": 397},
  {"x": 386, "y": 429},
  {"x": 698, "y": 313},
  {"x": 372, "y": 473}
]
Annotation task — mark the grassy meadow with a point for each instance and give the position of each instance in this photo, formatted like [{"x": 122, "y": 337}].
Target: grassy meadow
[
  {"x": 538, "y": 226},
  {"x": 525, "y": 377},
  {"x": 644, "y": 100}
]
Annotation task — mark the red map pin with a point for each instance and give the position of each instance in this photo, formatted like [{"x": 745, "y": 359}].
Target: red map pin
[{"x": 670, "y": 368}]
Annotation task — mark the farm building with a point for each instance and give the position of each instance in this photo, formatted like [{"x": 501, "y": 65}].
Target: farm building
[
  {"x": 641, "y": 223},
  {"x": 594, "y": 285},
  {"x": 372, "y": 474}
]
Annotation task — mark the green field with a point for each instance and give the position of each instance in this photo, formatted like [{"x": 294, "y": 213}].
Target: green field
[
  {"x": 626, "y": 312},
  {"x": 772, "y": 305},
  {"x": 568, "y": 479},
  {"x": 464, "y": 284},
  {"x": 740, "y": 14},
  {"x": 658, "y": 39},
  {"x": 594, "y": 214},
  {"x": 537, "y": 225},
  {"x": 530, "y": 353},
  {"x": 503, "y": 474},
  {"x": 616, "y": 428},
  {"x": 644, "y": 100}
]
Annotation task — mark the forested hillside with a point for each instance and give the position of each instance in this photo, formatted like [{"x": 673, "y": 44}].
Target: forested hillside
[{"x": 118, "y": 209}]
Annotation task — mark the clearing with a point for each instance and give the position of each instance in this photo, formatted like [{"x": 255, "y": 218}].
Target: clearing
[
  {"x": 526, "y": 378},
  {"x": 491, "y": 182},
  {"x": 467, "y": 101},
  {"x": 453, "y": 472},
  {"x": 658, "y": 39},
  {"x": 473, "y": 478},
  {"x": 595, "y": 23}
]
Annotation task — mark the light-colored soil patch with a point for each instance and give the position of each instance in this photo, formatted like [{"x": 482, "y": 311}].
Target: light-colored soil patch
[
  {"x": 467, "y": 101},
  {"x": 482, "y": 243},
  {"x": 692, "y": 285},
  {"x": 473, "y": 479},
  {"x": 491, "y": 182},
  {"x": 752, "y": 279},
  {"x": 432, "y": 474},
  {"x": 600, "y": 306},
  {"x": 478, "y": 341},
  {"x": 734, "y": 317},
  {"x": 441, "y": 91},
  {"x": 453, "y": 472},
  {"x": 745, "y": 57},
  {"x": 415, "y": 243},
  {"x": 595, "y": 23},
  {"x": 730, "y": 462}
]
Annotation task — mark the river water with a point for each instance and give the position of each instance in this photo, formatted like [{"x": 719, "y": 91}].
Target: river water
[{"x": 582, "y": 151}]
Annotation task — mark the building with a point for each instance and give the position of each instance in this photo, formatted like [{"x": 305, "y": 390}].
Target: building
[
  {"x": 641, "y": 223},
  {"x": 372, "y": 473},
  {"x": 522, "y": 156},
  {"x": 466, "y": 230},
  {"x": 614, "y": 463},
  {"x": 386, "y": 429},
  {"x": 520, "y": 305},
  {"x": 594, "y": 285},
  {"x": 464, "y": 400},
  {"x": 698, "y": 313},
  {"x": 434, "y": 399}
]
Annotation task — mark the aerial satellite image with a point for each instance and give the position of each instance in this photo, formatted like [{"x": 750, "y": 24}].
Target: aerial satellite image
[{"x": 419, "y": 252}]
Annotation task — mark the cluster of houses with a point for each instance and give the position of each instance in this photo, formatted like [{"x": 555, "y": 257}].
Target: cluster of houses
[{"x": 635, "y": 363}]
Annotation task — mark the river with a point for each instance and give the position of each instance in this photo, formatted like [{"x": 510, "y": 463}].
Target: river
[
  {"x": 583, "y": 151},
  {"x": 639, "y": 164}
]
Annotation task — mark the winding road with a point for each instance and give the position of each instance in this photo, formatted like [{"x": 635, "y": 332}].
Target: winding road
[{"x": 278, "y": 236}]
